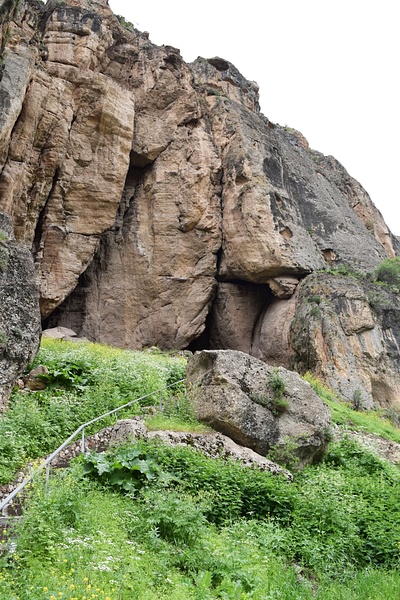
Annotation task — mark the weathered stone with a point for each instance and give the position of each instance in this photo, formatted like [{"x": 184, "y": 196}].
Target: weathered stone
[
  {"x": 19, "y": 310},
  {"x": 59, "y": 333},
  {"x": 271, "y": 336},
  {"x": 235, "y": 314},
  {"x": 232, "y": 392},
  {"x": 347, "y": 331},
  {"x": 160, "y": 286},
  {"x": 32, "y": 381},
  {"x": 283, "y": 287},
  {"x": 18, "y": 52},
  {"x": 161, "y": 207}
]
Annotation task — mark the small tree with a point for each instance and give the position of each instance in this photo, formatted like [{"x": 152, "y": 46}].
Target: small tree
[{"x": 389, "y": 271}]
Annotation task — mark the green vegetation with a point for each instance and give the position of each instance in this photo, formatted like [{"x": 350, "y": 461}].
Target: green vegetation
[
  {"x": 150, "y": 521},
  {"x": 389, "y": 272},
  {"x": 188, "y": 527},
  {"x": 344, "y": 270},
  {"x": 125, "y": 24},
  {"x": 84, "y": 381},
  {"x": 277, "y": 383},
  {"x": 369, "y": 421}
]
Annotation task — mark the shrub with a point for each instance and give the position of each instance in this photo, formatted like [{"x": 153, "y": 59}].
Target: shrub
[
  {"x": 389, "y": 271},
  {"x": 278, "y": 385},
  {"x": 356, "y": 401}
]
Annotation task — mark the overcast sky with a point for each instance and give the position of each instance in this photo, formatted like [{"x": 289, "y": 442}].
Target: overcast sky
[{"x": 328, "y": 69}]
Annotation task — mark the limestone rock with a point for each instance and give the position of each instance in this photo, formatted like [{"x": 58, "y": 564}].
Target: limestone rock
[
  {"x": 216, "y": 445},
  {"x": 232, "y": 393},
  {"x": 18, "y": 26},
  {"x": 162, "y": 208},
  {"x": 19, "y": 310},
  {"x": 347, "y": 331}
]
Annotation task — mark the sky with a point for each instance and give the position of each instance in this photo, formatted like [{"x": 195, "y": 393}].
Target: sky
[{"x": 328, "y": 69}]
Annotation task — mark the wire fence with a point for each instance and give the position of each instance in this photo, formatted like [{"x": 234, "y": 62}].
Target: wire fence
[{"x": 46, "y": 464}]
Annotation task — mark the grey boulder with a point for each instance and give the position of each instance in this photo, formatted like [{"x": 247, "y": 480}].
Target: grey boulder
[{"x": 236, "y": 394}]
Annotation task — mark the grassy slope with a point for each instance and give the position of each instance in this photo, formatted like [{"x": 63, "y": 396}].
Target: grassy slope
[{"x": 211, "y": 529}]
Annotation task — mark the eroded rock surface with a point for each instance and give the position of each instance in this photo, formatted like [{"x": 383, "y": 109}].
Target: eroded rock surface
[
  {"x": 19, "y": 309},
  {"x": 162, "y": 208},
  {"x": 233, "y": 393},
  {"x": 347, "y": 331}
]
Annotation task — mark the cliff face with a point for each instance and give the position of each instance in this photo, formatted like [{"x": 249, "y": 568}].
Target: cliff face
[
  {"x": 161, "y": 207},
  {"x": 19, "y": 309}
]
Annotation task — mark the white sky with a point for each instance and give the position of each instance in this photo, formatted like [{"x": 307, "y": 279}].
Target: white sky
[{"x": 326, "y": 68}]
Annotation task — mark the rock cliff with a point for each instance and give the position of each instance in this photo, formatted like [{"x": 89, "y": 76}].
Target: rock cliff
[
  {"x": 162, "y": 208},
  {"x": 19, "y": 309}
]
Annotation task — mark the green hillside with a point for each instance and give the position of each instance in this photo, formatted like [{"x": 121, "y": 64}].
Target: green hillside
[{"x": 150, "y": 521}]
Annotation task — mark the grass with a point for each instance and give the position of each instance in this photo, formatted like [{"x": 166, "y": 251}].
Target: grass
[
  {"x": 368, "y": 421},
  {"x": 334, "y": 533},
  {"x": 150, "y": 521},
  {"x": 84, "y": 381},
  {"x": 159, "y": 421}
]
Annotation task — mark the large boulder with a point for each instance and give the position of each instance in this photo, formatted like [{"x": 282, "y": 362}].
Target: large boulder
[
  {"x": 19, "y": 309},
  {"x": 239, "y": 396}
]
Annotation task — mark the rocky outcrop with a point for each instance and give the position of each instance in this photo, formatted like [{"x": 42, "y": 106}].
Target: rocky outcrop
[
  {"x": 161, "y": 207},
  {"x": 19, "y": 309},
  {"x": 346, "y": 330},
  {"x": 238, "y": 395}
]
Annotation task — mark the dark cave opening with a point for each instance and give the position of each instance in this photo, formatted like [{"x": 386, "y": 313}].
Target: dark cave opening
[{"x": 235, "y": 316}]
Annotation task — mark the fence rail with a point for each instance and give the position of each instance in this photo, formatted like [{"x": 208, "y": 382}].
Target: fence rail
[{"x": 81, "y": 430}]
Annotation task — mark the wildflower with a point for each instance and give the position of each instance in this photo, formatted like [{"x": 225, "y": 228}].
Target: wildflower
[{"x": 45, "y": 589}]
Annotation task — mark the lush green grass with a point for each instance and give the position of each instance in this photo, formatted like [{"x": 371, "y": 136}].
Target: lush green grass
[
  {"x": 160, "y": 421},
  {"x": 151, "y": 521},
  {"x": 369, "y": 421},
  {"x": 85, "y": 380},
  {"x": 207, "y": 529}
]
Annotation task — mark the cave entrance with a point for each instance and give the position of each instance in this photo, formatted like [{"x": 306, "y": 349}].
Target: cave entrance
[{"x": 234, "y": 317}]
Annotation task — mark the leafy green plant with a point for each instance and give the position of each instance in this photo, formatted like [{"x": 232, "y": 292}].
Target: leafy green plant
[
  {"x": 277, "y": 383},
  {"x": 286, "y": 454},
  {"x": 175, "y": 517},
  {"x": 344, "y": 270},
  {"x": 85, "y": 380},
  {"x": 68, "y": 376},
  {"x": 125, "y": 24},
  {"x": 127, "y": 468}
]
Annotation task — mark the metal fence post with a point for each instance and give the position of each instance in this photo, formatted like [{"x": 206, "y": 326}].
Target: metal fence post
[
  {"x": 4, "y": 504},
  {"x": 47, "y": 476},
  {"x": 83, "y": 441}
]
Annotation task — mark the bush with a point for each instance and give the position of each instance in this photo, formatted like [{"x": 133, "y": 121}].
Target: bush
[{"x": 389, "y": 271}]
